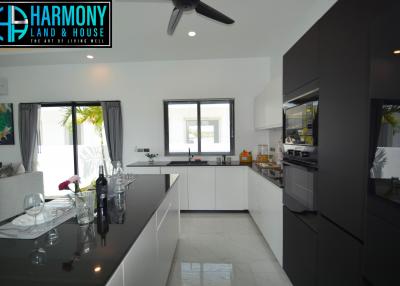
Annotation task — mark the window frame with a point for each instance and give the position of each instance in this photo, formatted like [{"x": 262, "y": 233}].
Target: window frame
[
  {"x": 73, "y": 105},
  {"x": 198, "y": 102}
]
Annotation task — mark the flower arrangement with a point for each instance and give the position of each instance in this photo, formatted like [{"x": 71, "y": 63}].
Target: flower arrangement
[{"x": 75, "y": 180}]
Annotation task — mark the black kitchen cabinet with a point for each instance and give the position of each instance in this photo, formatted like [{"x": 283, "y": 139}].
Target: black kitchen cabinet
[
  {"x": 300, "y": 66},
  {"x": 344, "y": 114},
  {"x": 385, "y": 52},
  {"x": 382, "y": 247},
  {"x": 299, "y": 250},
  {"x": 339, "y": 256},
  {"x": 382, "y": 252}
]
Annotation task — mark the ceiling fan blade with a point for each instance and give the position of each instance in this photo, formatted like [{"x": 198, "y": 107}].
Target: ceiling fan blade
[
  {"x": 174, "y": 20},
  {"x": 144, "y": 1},
  {"x": 210, "y": 12}
]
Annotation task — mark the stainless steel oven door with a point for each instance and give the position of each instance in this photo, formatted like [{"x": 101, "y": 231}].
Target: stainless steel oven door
[{"x": 300, "y": 185}]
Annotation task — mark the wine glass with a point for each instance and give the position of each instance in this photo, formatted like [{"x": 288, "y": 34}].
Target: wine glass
[
  {"x": 33, "y": 204},
  {"x": 38, "y": 255}
]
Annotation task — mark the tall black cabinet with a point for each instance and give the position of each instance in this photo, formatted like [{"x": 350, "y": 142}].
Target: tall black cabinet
[
  {"x": 343, "y": 118},
  {"x": 382, "y": 247},
  {"x": 355, "y": 39}
]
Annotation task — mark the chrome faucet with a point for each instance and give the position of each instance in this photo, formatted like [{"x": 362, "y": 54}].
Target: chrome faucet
[{"x": 189, "y": 156}]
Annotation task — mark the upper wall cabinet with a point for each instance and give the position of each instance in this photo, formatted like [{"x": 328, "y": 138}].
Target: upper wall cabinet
[
  {"x": 301, "y": 66},
  {"x": 268, "y": 106}
]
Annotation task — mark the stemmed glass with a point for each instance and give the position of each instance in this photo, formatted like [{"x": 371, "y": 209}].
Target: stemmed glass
[
  {"x": 38, "y": 255},
  {"x": 33, "y": 204}
]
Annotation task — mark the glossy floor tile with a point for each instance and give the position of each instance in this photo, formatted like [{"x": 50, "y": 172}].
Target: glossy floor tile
[{"x": 224, "y": 250}]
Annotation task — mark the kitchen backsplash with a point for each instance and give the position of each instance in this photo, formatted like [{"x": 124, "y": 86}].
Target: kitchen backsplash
[{"x": 275, "y": 135}]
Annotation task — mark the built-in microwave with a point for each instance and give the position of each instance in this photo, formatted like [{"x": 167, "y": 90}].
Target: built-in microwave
[{"x": 300, "y": 132}]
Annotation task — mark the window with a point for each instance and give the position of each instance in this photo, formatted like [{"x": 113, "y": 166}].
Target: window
[
  {"x": 71, "y": 141},
  {"x": 204, "y": 126}
]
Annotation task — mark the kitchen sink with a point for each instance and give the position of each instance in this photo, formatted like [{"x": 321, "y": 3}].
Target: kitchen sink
[{"x": 187, "y": 163}]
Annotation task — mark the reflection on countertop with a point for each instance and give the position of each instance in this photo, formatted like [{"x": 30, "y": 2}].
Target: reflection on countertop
[
  {"x": 274, "y": 176},
  {"x": 78, "y": 255}
]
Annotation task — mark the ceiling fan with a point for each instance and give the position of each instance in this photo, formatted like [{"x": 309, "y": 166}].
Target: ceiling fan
[{"x": 200, "y": 7}]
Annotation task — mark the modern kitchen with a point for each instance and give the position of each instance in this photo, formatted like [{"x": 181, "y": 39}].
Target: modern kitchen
[{"x": 223, "y": 143}]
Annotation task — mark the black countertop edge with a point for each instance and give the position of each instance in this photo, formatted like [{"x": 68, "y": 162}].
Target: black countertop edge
[
  {"x": 165, "y": 164},
  {"x": 277, "y": 182},
  {"x": 261, "y": 172}
]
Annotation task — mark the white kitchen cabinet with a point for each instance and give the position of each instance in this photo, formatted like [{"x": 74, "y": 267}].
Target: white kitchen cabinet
[
  {"x": 266, "y": 209},
  {"x": 231, "y": 188},
  {"x": 253, "y": 196},
  {"x": 117, "y": 279},
  {"x": 167, "y": 234},
  {"x": 182, "y": 184},
  {"x": 201, "y": 188},
  {"x": 149, "y": 260},
  {"x": 144, "y": 170},
  {"x": 272, "y": 213},
  {"x": 268, "y": 106},
  {"x": 141, "y": 262}
]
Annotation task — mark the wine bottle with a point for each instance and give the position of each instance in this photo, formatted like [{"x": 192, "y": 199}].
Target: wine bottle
[
  {"x": 102, "y": 224},
  {"x": 101, "y": 190},
  {"x": 102, "y": 215}
]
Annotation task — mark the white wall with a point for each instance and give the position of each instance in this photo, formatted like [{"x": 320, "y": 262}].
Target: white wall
[
  {"x": 283, "y": 44},
  {"x": 141, "y": 87}
]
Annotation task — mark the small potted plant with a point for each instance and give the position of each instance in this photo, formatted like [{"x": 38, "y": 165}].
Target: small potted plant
[{"x": 151, "y": 157}]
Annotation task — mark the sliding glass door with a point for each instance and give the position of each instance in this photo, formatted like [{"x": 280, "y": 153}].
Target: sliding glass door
[
  {"x": 55, "y": 157},
  {"x": 91, "y": 146},
  {"x": 71, "y": 141}
]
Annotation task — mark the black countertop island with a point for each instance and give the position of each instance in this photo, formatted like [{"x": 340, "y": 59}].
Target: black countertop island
[{"x": 80, "y": 256}]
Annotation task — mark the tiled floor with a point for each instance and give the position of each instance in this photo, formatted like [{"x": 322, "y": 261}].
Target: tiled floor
[{"x": 224, "y": 250}]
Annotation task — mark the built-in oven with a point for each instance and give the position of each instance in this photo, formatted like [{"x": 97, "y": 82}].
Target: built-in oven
[
  {"x": 300, "y": 185},
  {"x": 300, "y": 158}
]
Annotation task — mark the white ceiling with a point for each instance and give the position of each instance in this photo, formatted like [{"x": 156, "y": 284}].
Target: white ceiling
[{"x": 139, "y": 33}]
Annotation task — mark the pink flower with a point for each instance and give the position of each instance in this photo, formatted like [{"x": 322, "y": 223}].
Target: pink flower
[
  {"x": 65, "y": 185},
  {"x": 74, "y": 179}
]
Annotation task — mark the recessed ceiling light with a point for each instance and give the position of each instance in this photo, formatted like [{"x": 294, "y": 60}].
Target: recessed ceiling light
[
  {"x": 192, "y": 34},
  {"x": 97, "y": 269},
  {"x": 90, "y": 57},
  {"x": 396, "y": 52}
]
